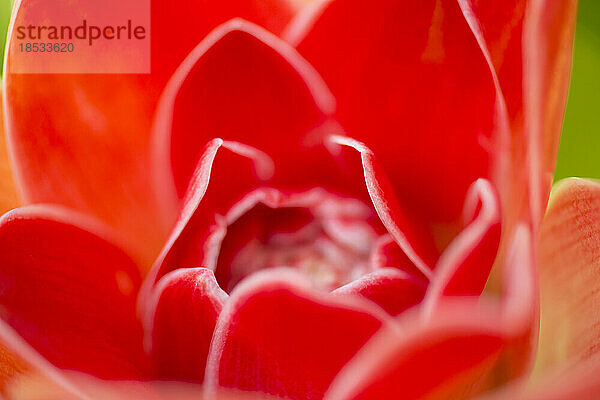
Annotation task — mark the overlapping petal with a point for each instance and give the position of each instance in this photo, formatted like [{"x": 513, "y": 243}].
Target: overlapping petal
[
  {"x": 469, "y": 342},
  {"x": 413, "y": 84},
  {"x": 501, "y": 27},
  {"x": 225, "y": 172},
  {"x": 432, "y": 87},
  {"x": 327, "y": 236},
  {"x": 548, "y": 34},
  {"x": 84, "y": 141},
  {"x": 387, "y": 254},
  {"x": 177, "y": 30},
  {"x": 464, "y": 267},
  {"x": 279, "y": 336},
  {"x": 400, "y": 364},
  {"x": 278, "y": 100},
  {"x": 393, "y": 290},
  {"x": 244, "y": 84},
  {"x": 529, "y": 43},
  {"x": 70, "y": 292},
  {"x": 188, "y": 303},
  {"x": 414, "y": 241}
]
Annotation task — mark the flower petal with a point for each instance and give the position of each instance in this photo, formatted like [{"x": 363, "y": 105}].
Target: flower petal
[
  {"x": 87, "y": 152},
  {"x": 529, "y": 44},
  {"x": 194, "y": 241},
  {"x": 31, "y": 387},
  {"x": 278, "y": 336},
  {"x": 176, "y": 30},
  {"x": 69, "y": 292},
  {"x": 437, "y": 360},
  {"x": 88, "y": 146},
  {"x": 415, "y": 242},
  {"x": 501, "y": 28},
  {"x": 9, "y": 196},
  {"x": 548, "y": 43},
  {"x": 387, "y": 254},
  {"x": 569, "y": 275},
  {"x": 413, "y": 84},
  {"x": 21, "y": 362},
  {"x": 11, "y": 367},
  {"x": 464, "y": 267},
  {"x": 188, "y": 302},
  {"x": 276, "y": 99},
  {"x": 391, "y": 289},
  {"x": 456, "y": 352},
  {"x": 579, "y": 381}
]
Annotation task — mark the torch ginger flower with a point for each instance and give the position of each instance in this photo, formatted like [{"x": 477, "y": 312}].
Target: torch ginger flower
[{"x": 304, "y": 203}]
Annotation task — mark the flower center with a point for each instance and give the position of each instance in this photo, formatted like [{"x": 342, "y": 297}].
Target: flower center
[{"x": 326, "y": 237}]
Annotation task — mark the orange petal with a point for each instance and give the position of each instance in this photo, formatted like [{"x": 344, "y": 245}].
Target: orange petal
[
  {"x": 82, "y": 140},
  {"x": 570, "y": 274},
  {"x": 576, "y": 382},
  {"x": 548, "y": 43},
  {"x": 465, "y": 347},
  {"x": 36, "y": 386},
  {"x": 9, "y": 197},
  {"x": 10, "y": 367}
]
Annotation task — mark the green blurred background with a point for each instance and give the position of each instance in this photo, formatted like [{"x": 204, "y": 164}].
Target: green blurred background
[
  {"x": 5, "y": 6},
  {"x": 579, "y": 153}
]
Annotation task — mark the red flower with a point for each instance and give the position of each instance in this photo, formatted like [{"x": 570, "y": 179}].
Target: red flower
[{"x": 319, "y": 198}]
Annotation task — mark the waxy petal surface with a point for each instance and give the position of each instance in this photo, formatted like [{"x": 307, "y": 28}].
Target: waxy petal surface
[
  {"x": 244, "y": 84},
  {"x": 70, "y": 292},
  {"x": 278, "y": 336},
  {"x": 177, "y": 30},
  {"x": 529, "y": 43},
  {"x": 391, "y": 289},
  {"x": 412, "y": 84},
  {"x": 225, "y": 172},
  {"x": 455, "y": 352},
  {"x": 87, "y": 152},
  {"x": 431, "y": 361},
  {"x": 570, "y": 275},
  {"x": 501, "y": 25},
  {"x": 188, "y": 303},
  {"x": 415, "y": 242}
]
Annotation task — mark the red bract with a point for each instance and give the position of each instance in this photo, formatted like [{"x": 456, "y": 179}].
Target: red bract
[{"x": 304, "y": 203}]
